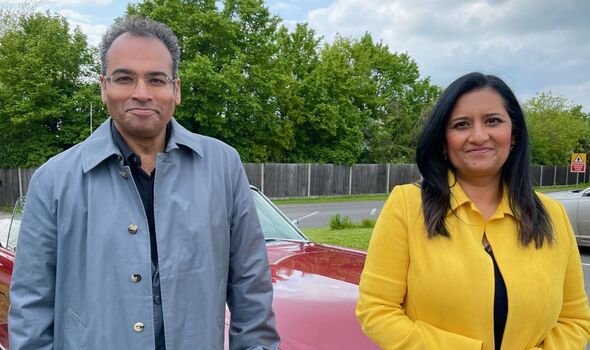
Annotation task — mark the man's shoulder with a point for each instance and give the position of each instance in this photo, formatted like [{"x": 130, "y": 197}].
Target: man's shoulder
[
  {"x": 63, "y": 161},
  {"x": 205, "y": 146}
]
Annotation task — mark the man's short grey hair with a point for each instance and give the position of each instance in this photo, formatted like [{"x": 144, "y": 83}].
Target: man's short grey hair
[{"x": 140, "y": 27}]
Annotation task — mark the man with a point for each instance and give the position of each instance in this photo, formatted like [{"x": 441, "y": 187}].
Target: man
[{"x": 137, "y": 237}]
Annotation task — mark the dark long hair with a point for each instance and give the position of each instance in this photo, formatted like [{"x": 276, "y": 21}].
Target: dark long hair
[{"x": 532, "y": 218}]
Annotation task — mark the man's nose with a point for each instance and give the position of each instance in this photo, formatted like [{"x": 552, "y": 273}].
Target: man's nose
[{"x": 141, "y": 91}]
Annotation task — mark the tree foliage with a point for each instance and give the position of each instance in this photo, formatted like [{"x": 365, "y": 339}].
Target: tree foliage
[
  {"x": 44, "y": 89},
  {"x": 557, "y": 128},
  {"x": 278, "y": 95}
]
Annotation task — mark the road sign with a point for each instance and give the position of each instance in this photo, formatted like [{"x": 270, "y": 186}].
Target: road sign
[{"x": 578, "y": 163}]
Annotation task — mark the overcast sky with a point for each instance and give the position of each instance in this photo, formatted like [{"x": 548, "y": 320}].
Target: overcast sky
[{"x": 535, "y": 45}]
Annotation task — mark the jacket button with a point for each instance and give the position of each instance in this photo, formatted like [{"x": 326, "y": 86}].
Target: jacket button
[
  {"x": 138, "y": 327},
  {"x": 135, "y": 278},
  {"x": 124, "y": 174},
  {"x": 132, "y": 228}
]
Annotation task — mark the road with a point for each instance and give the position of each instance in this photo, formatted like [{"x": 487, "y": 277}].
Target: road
[{"x": 318, "y": 215}]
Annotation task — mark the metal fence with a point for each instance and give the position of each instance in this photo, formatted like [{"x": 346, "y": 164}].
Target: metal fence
[{"x": 279, "y": 180}]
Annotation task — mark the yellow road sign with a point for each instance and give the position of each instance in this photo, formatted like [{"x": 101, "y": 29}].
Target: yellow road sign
[{"x": 578, "y": 163}]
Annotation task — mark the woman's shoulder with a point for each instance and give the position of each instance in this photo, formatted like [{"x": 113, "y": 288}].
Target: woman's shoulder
[
  {"x": 407, "y": 193},
  {"x": 407, "y": 189}
]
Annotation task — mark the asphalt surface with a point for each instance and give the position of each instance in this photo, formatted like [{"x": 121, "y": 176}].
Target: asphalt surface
[{"x": 318, "y": 215}]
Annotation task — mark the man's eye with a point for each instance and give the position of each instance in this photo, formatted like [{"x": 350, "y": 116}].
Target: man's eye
[
  {"x": 157, "y": 81},
  {"x": 123, "y": 80}
]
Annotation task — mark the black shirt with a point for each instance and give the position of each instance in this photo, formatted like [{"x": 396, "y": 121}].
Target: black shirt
[
  {"x": 145, "y": 187},
  {"x": 500, "y": 302}
]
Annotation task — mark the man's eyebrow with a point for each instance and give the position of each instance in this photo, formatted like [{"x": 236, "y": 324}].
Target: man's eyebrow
[
  {"x": 122, "y": 70},
  {"x": 131, "y": 72}
]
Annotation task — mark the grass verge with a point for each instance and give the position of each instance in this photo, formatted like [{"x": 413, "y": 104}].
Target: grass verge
[
  {"x": 383, "y": 196},
  {"x": 562, "y": 188},
  {"x": 332, "y": 199},
  {"x": 357, "y": 238}
]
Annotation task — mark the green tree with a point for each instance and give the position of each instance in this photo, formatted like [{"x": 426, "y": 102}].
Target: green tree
[
  {"x": 277, "y": 95},
  {"x": 557, "y": 128},
  {"x": 363, "y": 103},
  {"x": 331, "y": 128},
  {"x": 392, "y": 98},
  {"x": 44, "y": 89},
  {"x": 232, "y": 80}
]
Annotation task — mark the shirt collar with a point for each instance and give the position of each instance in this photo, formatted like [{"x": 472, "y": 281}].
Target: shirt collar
[
  {"x": 120, "y": 142},
  {"x": 459, "y": 198},
  {"x": 101, "y": 145}
]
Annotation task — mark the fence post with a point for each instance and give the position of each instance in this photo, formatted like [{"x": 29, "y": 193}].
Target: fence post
[
  {"x": 350, "y": 180},
  {"x": 20, "y": 183},
  {"x": 262, "y": 178},
  {"x": 554, "y": 174},
  {"x": 387, "y": 182},
  {"x": 309, "y": 179},
  {"x": 541, "y": 178}
]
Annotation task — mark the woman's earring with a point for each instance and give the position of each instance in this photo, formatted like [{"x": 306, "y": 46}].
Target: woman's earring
[
  {"x": 445, "y": 155},
  {"x": 512, "y": 148}
]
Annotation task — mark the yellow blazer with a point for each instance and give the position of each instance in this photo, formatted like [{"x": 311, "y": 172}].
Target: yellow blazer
[{"x": 419, "y": 293}]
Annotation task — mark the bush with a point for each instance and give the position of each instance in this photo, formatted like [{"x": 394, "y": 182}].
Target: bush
[
  {"x": 368, "y": 222},
  {"x": 337, "y": 222}
]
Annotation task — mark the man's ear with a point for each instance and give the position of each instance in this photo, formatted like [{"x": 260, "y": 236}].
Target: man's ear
[
  {"x": 103, "y": 93},
  {"x": 177, "y": 91}
]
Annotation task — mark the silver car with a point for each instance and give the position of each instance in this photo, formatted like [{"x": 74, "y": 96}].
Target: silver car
[{"x": 577, "y": 205}]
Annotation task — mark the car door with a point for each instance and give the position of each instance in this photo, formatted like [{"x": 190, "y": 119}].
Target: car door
[
  {"x": 584, "y": 218},
  {"x": 7, "y": 250}
]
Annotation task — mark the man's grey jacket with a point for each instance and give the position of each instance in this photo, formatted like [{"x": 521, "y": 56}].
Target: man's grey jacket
[{"x": 84, "y": 248}]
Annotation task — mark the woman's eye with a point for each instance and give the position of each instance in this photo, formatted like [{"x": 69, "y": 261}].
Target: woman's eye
[
  {"x": 494, "y": 121},
  {"x": 460, "y": 125}
]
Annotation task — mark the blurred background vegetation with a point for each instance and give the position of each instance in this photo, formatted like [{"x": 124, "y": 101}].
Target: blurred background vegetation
[{"x": 277, "y": 95}]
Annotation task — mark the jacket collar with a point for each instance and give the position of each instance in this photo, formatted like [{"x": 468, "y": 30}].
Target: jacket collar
[
  {"x": 459, "y": 198},
  {"x": 100, "y": 144}
]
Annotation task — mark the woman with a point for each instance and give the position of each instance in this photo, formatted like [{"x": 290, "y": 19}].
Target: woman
[{"x": 473, "y": 258}]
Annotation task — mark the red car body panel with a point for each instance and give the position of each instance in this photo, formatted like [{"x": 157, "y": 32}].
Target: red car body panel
[
  {"x": 6, "y": 265},
  {"x": 315, "y": 295}
]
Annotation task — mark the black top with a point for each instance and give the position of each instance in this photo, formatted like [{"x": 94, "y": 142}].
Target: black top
[
  {"x": 145, "y": 186},
  {"x": 500, "y": 302}
]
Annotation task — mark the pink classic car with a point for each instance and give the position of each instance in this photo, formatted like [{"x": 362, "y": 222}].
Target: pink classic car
[{"x": 315, "y": 285}]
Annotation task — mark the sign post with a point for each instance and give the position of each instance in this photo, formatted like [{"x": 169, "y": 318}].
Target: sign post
[{"x": 578, "y": 164}]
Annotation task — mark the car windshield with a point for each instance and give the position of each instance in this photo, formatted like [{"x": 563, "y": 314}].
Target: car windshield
[
  {"x": 10, "y": 237},
  {"x": 275, "y": 225}
]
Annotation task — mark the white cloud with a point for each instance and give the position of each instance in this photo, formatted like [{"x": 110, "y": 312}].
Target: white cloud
[
  {"x": 93, "y": 31},
  {"x": 282, "y": 6},
  {"x": 58, "y": 2},
  {"x": 77, "y": 2},
  {"x": 538, "y": 45}
]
